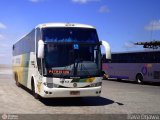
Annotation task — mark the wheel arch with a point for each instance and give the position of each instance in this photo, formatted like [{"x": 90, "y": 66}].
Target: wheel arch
[
  {"x": 15, "y": 75},
  {"x": 33, "y": 82},
  {"x": 139, "y": 74}
]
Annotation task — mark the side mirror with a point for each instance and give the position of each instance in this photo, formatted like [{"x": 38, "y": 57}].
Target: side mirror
[
  {"x": 107, "y": 49},
  {"x": 40, "y": 49}
]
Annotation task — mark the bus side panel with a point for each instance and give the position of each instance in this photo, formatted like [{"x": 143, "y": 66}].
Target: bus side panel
[
  {"x": 32, "y": 71},
  {"x": 124, "y": 71},
  {"x": 16, "y": 66},
  {"x": 20, "y": 67},
  {"x": 149, "y": 71},
  {"x": 156, "y": 72},
  {"x": 115, "y": 71}
]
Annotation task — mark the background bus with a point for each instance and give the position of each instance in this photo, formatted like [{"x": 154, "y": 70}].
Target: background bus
[
  {"x": 141, "y": 66},
  {"x": 59, "y": 60}
]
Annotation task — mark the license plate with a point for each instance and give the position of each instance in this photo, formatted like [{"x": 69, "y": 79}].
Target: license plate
[{"x": 75, "y": 93}]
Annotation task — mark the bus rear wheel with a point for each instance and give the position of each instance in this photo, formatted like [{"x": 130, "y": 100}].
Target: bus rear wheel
[
  {"x": 36, "y": 96},
  {"x": 139, "y": 78}
]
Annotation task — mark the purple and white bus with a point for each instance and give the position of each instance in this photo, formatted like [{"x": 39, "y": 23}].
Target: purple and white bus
[{"x": 142, "y": 66}]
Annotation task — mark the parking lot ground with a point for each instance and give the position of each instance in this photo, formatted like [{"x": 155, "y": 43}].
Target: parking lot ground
[{"x": 116, "y": 98}]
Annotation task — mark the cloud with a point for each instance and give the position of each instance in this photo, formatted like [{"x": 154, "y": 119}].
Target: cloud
[
  {"x": 104, "y": 9},
  {"x": 2, "y": 37},
  {"x": 2, "y": 26},
  {"x": 2, "y": 55},
  {"x": 153, "y": 25},
  {"x": 4, "y": 45},
  {"x": 84, "y": 1}
]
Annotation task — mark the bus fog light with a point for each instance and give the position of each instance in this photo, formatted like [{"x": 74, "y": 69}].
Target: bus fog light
[
  {"x": 45, "y": 83},
  {"x": 46, "y": 92},
  {"x": 92, "y": 85},
  {"x": 51, "y": 85}
]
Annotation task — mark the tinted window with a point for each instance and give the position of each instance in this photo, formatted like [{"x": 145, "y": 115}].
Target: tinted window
[
  {"x": 25, "y": 45},
  {"x": 63, "y": 55},
  {"x": 139, "y": 57},
  {"x": 69, "y": 35}
]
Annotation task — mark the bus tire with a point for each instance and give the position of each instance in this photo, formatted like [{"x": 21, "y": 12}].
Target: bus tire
[
  {"x": 36, "y": 96},
  {"x": 119, "y": 80},
  {"x": 105, "y": 77},
  {"x": 16, "y": 79},
  {"x": 139, "y": 78}
]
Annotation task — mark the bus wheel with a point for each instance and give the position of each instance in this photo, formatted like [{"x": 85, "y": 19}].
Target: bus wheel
[
  {"x": 16, "y": 79},
  {"x": 105, "y": 77},
  {"x": 36, "y": 96},
  {"x": 119, "y": 80},
  {"x": 139, "y": 78}
]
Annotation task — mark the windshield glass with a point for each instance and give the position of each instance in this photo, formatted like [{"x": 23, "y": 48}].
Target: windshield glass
[
  {"x": 71, "y": 52},
  {"x": 64, "y": 60},
  {"x": 70, "y": 34}
]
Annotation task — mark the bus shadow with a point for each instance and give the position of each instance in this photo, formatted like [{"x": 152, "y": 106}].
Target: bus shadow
[
  {"x": 121, "y": 81},
  {"x": 26, "y": 89},
  {"x": 86, "y": 101},
  {"x": 151, "y": 84}
]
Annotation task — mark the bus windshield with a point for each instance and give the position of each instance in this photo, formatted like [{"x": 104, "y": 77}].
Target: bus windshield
[
  {"x": 70, "y": 35},
  {"x": 63, "y": 59}
]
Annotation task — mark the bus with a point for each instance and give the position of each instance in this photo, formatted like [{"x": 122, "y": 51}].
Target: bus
[
  {"x": 60, "y": 60},
  {"x": 140, "y": 66}
]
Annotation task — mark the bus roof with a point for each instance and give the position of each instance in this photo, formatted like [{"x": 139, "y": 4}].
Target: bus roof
[
  {"x": 44, "y": 25},
  {"x": 144, "y": 51}
]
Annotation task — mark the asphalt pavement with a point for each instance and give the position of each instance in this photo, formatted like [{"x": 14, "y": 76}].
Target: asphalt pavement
[{"x": 116, "y": 98}]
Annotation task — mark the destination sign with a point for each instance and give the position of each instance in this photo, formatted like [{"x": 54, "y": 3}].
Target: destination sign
[{"x": 58, "y": 71}]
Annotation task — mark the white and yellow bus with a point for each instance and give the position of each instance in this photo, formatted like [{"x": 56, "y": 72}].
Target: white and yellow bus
[{"x": 60, "y": 60}]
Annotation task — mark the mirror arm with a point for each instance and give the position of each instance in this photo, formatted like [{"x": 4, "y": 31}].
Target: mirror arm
[
  {"x": 42, "y": 66},
  {"x": 107, "y": 49}
]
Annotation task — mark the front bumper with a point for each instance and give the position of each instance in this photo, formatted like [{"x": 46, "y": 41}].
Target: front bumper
[{"x": 67, "y": 92}]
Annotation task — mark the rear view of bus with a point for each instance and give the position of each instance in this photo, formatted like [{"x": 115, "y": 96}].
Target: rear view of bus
[{"x": 65, "y": 61}]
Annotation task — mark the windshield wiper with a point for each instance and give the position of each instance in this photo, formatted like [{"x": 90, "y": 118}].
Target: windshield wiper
[{"x": 82, "y": 68}]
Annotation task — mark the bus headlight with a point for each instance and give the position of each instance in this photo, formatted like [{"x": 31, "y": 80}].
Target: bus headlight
[
  {"x": 55, "y": 85},
  {"x": 96, "y": 84},
  {"x": 51, "y": 85}
]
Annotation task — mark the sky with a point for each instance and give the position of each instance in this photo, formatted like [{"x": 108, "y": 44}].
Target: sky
[{"x": 119, "y": 22}]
